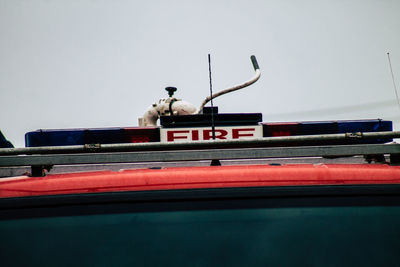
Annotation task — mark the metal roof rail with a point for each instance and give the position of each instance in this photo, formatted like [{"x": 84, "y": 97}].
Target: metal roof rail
[
  {"x": 41, "y": 158},
  {"x": 212, "y": 144}
]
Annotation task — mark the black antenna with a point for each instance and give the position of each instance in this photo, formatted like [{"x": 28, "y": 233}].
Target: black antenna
[
  {"x": 394, "y": 83},
  {"x": 212, "y": 104},
  {"x": 214, "y": 162}
]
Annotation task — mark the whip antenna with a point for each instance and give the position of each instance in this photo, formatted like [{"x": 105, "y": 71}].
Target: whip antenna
[
  {"x": 211, "y": 98},
  {"x": 394, "y": 83}
]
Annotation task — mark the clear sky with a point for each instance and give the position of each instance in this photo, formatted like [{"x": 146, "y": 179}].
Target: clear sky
[{"x": 87, "y": 63}]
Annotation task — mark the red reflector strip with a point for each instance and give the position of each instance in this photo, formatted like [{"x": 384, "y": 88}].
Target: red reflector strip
[
  {"x": 142, "y": 135},
  {"x": 280, "y": 129},
  {"x": 140, "y": 139}
]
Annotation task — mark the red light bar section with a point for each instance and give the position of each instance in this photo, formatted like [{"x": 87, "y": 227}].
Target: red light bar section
[
  {"x": 281, "y": 129},
  {"x": 142, "y": 135}
]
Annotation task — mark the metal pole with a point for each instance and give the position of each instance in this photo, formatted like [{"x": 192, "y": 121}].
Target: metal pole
[
  {"x": 193, "y": 155},
  {"x": 215, "y": 144}
]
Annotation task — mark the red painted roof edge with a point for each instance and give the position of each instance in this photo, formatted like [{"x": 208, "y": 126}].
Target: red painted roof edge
[{"x": 200, "y": 177}]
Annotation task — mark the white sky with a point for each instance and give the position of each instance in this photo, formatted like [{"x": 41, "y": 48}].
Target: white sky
[{"x": 86, "y": 63}]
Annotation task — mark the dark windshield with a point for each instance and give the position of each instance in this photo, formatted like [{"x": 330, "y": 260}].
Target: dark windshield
[{"x": 310, "y": 236}]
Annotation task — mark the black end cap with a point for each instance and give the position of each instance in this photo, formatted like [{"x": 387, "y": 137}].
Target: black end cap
[{"x": 171, "y": 90}]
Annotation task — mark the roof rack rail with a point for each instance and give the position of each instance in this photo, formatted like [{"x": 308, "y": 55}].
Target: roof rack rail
[
  {"x": 299, "y": 140},
  {"x": 41, "y": 158}
]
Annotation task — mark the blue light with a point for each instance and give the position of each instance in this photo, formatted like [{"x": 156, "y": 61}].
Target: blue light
[{"x": 66, "y": 137}]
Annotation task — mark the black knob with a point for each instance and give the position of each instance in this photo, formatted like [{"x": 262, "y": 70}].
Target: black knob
[{"x": 170, "y": 90}]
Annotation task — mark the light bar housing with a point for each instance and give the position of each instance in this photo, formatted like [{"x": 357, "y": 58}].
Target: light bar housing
[{"x": 65, "y": 137}]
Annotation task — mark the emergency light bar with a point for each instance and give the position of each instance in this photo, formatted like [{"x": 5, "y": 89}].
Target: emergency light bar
[
  {"x": 65, "y": 137},
  {"x": 328, "y": 127},
  {"x": 186, "y": 133}
]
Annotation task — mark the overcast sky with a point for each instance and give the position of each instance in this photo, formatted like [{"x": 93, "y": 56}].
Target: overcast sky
[{"x": 87, "y": 63}]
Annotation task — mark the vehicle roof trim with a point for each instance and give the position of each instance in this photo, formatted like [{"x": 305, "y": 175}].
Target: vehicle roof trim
[{"x": 200, "y": 177}]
